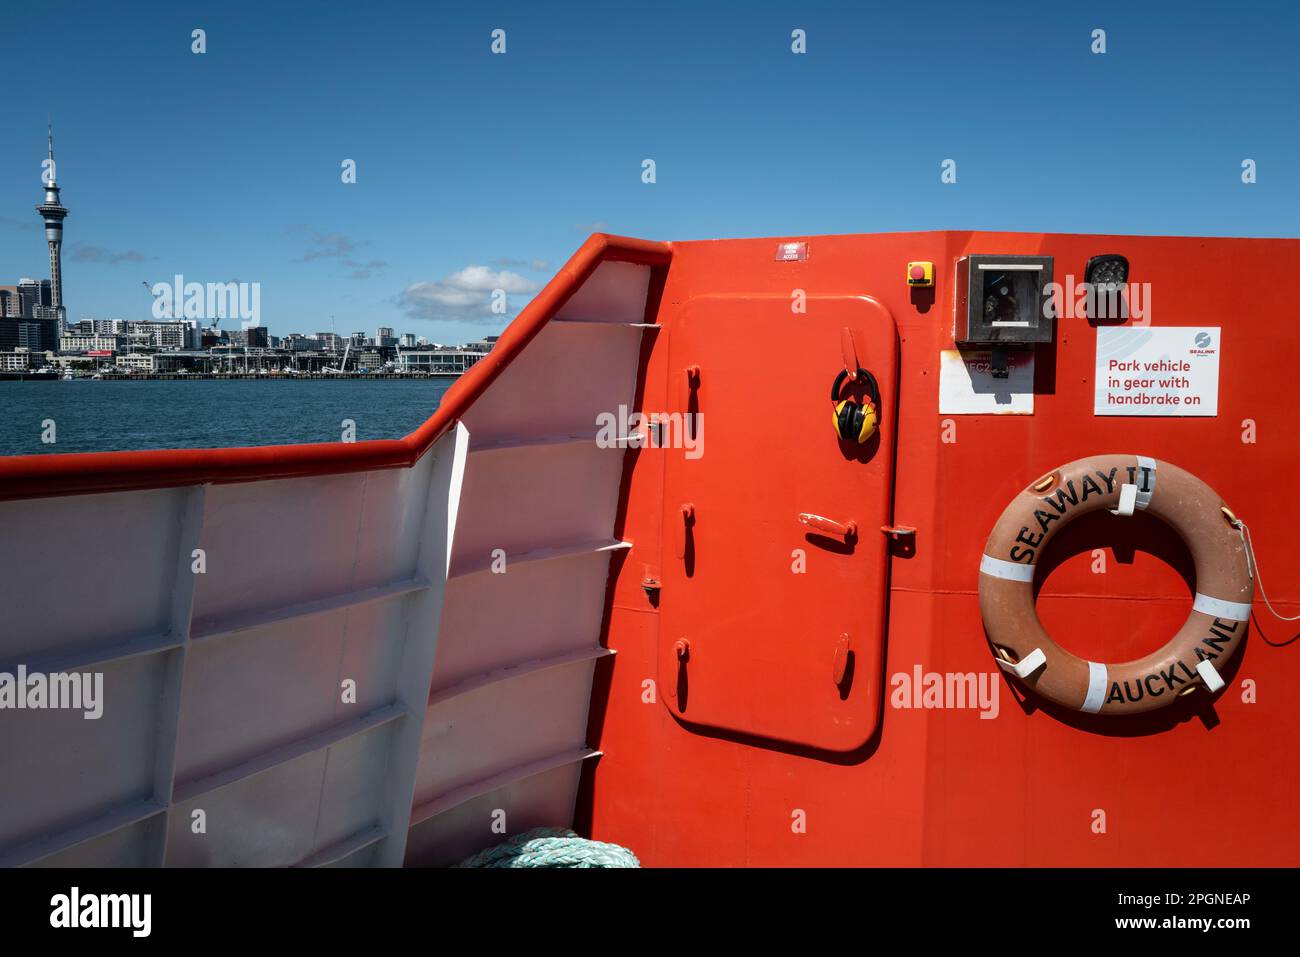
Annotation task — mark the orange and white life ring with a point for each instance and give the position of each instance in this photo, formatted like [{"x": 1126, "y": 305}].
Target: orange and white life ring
[{"x": 1123, "y": 483}]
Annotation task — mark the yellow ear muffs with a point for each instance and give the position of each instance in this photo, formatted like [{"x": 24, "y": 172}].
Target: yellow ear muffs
[{"x": 853, "y": 421}]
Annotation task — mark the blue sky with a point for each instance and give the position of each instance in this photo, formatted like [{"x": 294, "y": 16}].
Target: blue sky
[{"x": 226, "y": 165}]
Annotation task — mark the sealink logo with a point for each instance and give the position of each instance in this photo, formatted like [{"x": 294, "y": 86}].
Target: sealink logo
[{"x": 1201, "y": 344}]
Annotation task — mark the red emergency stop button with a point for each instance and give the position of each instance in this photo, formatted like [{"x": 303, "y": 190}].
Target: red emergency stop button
[{"x": 920, "y": 274}]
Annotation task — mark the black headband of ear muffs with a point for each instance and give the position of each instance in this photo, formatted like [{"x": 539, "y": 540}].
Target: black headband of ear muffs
[
  {"x": 873, "y": 389},
  {"x": 845, "y": 425}
]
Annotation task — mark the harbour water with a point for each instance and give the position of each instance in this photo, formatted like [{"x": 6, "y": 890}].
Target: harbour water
[{"x": 87, "y": 415}]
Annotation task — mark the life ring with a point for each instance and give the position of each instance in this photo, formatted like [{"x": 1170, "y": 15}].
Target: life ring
[{"x": 1212, "y": 633}]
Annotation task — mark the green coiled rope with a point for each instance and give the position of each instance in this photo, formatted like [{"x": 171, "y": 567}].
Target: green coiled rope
[{"x": 552, "y": 847}]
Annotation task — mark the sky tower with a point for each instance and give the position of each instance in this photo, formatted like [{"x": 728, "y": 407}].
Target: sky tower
[{"x": 53, "y": 211}]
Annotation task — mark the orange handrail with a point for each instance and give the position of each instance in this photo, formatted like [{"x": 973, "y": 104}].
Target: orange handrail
[{"x": 78, "y": 473}]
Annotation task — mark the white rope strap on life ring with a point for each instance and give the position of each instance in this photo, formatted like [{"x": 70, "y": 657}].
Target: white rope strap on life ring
[
  {"x": 1213, "y": 681},
  {"x": 1253, "y": 565},
  {"x": 1130, "y": 496},
  {"x": 1026, "y": 666}
]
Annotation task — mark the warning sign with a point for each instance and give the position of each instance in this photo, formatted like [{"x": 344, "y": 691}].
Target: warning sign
[
  {"x": 967, "y": 385},
  {"x": 1172, "y": 370}
]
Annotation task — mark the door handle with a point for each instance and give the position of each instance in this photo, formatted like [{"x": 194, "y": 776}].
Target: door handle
[
  {"x": 840, "y": 660},
  {"x": 828, "y": 526},
  {"x": 686, "y": 520},
  {"x": 690, "y": 381}
]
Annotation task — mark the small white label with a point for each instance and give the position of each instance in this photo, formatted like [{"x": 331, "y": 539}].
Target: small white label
[
  {"x": 967, "y": 386},
  {"x": 1172, "y": 370}
]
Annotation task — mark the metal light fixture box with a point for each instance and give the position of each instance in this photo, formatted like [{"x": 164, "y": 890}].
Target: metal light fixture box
[{"x": 1002, "y": 301}]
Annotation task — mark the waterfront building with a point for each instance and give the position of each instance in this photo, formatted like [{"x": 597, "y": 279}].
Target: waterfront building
[
  {"x": 438, "y": 361},
  {"x": 20, "y": 360},
  {"x": 150, "y": 362},
  {"x": 79, "y": 342}
]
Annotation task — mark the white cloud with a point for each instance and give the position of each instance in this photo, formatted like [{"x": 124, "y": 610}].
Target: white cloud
[{"x": 465, "y": 295}]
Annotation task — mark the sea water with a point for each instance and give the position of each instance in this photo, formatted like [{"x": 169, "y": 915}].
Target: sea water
[{"x": 97, "y": 415}]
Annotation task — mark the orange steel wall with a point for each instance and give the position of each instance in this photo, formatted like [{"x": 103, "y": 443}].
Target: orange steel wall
[{"x": 1198, "y": 784}]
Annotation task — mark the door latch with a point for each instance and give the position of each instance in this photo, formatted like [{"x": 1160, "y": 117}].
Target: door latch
[
  {"x": 684, "y": 527},
  {"x": 828, "y": 526}
]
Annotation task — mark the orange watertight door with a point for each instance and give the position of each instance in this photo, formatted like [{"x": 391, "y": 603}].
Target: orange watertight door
[{"x": 773, "y": 626}]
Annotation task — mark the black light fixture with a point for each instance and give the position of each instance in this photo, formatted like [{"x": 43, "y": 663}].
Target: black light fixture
[
  {"x": 1106, "y": 276},
  {"x": 1106, "y": 272}
]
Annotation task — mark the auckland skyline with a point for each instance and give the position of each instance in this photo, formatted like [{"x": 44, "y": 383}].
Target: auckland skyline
[{"x": 476, "y": 170}]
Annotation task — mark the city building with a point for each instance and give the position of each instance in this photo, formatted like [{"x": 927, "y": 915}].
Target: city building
[
  {"x": 100, "y": 327},
  {"x": 20, "y": 360},
  {"x": 12, "y": 303},
  {"x": 27, "y": 299},
  {"x": 150, "y": 362},
  {"x": 30, "y": 298},
  {"x": 157, "y": 334},
  {"x": 254, "y": 336},
  {"x": 29, "y": 333},
  {"x": 79, "y": 342},
  {"x": 438, "y": 361},
  {"x": 40, "y": 294}
]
